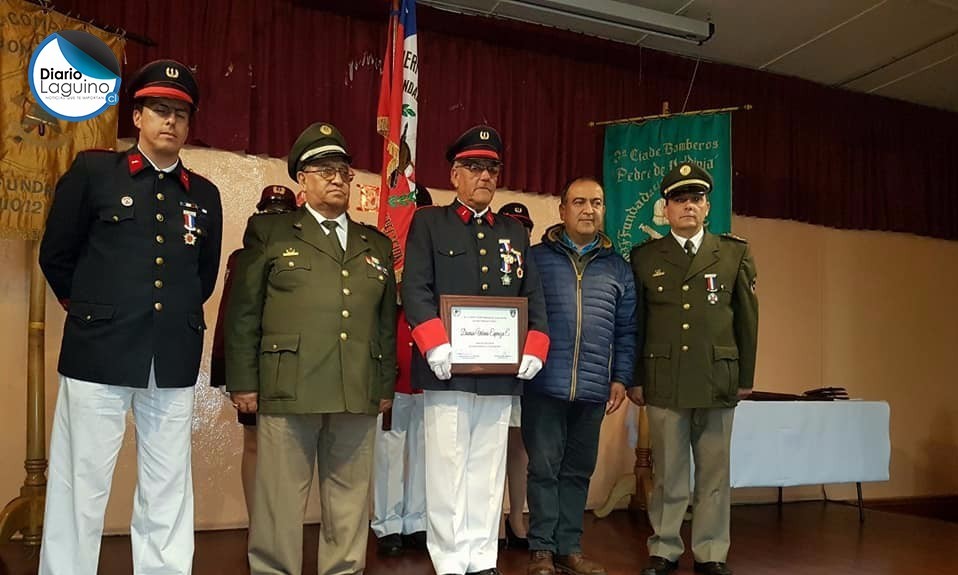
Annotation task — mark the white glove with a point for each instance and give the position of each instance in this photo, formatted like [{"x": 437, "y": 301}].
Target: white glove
[
  {"x": 529, "y": 367},
  {"x": 439, "y": 359}
]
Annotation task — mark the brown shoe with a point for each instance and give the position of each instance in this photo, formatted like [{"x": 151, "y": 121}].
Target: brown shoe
[
  {"x": 578, "y": 564},
  {"x": 540, "y": 563}
]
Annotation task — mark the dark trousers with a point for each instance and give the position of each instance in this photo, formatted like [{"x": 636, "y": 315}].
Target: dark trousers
[{"x": 562, "y": 439}]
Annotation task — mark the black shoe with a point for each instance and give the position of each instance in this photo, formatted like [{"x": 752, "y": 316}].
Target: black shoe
[
  {"x": 513, "y": 541},
  {"x": 389, "y": 545},
  {"x": 415, "y": 540},
  {"x": 712, "y": 568},
  {"x": 659, "y": 566}
]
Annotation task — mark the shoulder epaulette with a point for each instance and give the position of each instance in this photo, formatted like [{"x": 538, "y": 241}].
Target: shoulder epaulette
[
  {"x": 645, "y": 242},
  {"x": 734, "y": 237},
  {"x": 373, "y": 228},
  {"x": 200, "y": 176}
]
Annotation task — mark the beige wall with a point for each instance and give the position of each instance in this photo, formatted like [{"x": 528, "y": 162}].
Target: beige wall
[{"x": 866, "y": 310}]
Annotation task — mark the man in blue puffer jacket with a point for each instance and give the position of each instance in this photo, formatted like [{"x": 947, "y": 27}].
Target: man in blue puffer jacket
[{"x": 591, "y": 305}]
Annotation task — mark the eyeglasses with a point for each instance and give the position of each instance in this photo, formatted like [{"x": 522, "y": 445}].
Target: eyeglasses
[
  {"x": 476, "y": 167},
  {"x": 328, "y": 173},
  {"x": 163, "y": 111}
]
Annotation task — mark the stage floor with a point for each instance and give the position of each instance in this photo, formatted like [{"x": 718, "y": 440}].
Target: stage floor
[{"x": 799, "y": 539}]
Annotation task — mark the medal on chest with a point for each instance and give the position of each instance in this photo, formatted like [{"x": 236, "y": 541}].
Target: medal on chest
[
  {"x": 711, "y": 287},
  {"x": 510, "y": 262},
  {"x": 374, "y": 263},
  {"x": 189, "y": 224}
]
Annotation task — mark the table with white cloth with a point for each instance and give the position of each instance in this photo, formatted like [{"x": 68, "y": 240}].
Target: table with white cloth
[{"x": 790, "y": 443}]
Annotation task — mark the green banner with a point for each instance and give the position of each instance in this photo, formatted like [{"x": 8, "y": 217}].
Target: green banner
[{"x": 637, "y": 157}]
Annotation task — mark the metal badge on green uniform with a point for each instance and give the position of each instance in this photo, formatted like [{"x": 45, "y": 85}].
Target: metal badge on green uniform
[
  {"x": 711, "y": 286},
  {"x": 658, "y": 273},
  {"x": 290, "y": 252},
  {"x": 374, "y": 263}
]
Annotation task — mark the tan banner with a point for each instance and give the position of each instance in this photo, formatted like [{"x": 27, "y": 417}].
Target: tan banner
[{"x": 37, "y": 148}]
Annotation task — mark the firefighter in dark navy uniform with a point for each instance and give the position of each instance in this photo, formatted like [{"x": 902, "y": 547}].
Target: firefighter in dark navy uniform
[
  {"x": 131, "y": 250},
  {"x": 466, "y": 249}
]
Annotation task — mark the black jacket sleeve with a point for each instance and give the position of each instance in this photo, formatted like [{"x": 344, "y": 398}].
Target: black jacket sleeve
[{"x": 67, "y": 227}]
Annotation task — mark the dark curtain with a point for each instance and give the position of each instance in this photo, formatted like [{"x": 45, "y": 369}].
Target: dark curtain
[{"x": 806, "y": 152}]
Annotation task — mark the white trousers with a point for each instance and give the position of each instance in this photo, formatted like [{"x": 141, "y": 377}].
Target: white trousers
[
  {"x": 466, "y": 437},
  {"x": 399, "y": 468},
  {"x": 88, "y": 429}
]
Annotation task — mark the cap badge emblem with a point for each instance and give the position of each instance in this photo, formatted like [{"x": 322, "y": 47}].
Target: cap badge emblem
[
  {"x": 325, "y": 130},
  {"x": 484, "y": 135},
  {"x": 172, "y": 72},
  {"x": 685, "y": 170}
]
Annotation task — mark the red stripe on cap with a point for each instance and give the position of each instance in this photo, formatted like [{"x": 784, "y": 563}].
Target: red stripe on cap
[
  {"x": 163, "y": 92},
  {"x": 537, "y": 344},
  {"x": 429, "y": 334},
  {"x": 491, "y": 154}
]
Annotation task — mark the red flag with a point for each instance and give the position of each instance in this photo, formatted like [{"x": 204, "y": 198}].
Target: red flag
[{"x": 397, "y": 122}]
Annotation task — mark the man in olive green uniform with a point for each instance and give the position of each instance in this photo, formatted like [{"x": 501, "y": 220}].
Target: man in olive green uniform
[
  {"x": 311, "y": 346},
  {"x": 700, "y": 328}
]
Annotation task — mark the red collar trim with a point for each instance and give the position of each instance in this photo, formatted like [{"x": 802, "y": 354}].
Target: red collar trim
[
  {"x": 466, "y": 215},
  {"x": 137, "y": 163}
]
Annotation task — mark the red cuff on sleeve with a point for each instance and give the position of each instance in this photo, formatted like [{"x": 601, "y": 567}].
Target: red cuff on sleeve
[
  {"x": 429, "y": 334},
  {"x": 537, "y": 344}
]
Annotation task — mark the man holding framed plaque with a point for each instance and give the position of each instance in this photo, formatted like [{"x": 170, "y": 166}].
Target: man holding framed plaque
[{"x": 474, "y": 347}]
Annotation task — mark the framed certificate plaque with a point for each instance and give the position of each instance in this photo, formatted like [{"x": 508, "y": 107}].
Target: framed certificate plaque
[{"x": 487, "y": 333}]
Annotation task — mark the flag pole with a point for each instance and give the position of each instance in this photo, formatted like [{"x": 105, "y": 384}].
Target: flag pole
[
  {"x": 638, "y": 119},
  {"x": 24, "y": 514}
]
